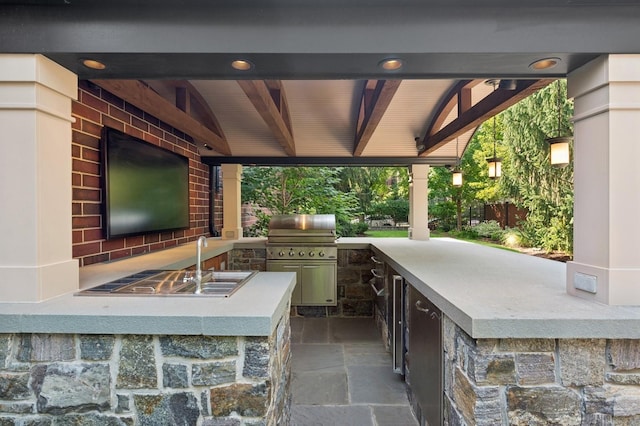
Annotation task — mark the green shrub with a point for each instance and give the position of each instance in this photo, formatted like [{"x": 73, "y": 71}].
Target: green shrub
[
  {"x": 489, "y": 229},
  {"x": 351, "y": 229},
  {"x": 361, "y": 228},
  {"x": 512, "y": 238},
  {"x": 260, "y": 228},
  {"x": 467, "y": 233}
]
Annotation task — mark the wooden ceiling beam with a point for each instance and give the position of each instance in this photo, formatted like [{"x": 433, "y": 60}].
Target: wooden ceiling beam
[
  {"x": 191, "y": 101},
  {"x": 373, "y": 104},
  {"x": 269, "y": 99},
  {"x": 142, "y": 96},
  {"x": 459, "y": 95},
  {"x": 494, "y": 103}
]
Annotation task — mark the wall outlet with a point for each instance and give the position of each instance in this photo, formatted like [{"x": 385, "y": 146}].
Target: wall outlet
[{"x": 584, "y": 282}]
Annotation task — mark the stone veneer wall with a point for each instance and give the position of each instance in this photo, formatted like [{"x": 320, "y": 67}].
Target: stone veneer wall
[
  {"x": 245, "y": 259},
  {"x": 145, "y": 380},
  {"x": 355, "y": 296},
  {"x": 540, "y": 381}
]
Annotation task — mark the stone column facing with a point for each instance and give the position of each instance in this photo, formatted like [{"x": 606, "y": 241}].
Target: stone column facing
[
  {"x": 232, "y": 212},
  {"x": 606, "y": 266},
  {"x": 35, "y": 179},
  {"x": 419, "y": 202}
]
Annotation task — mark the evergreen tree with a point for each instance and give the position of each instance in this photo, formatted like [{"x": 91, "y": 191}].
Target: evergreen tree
[{"x": 529, "y": 179}]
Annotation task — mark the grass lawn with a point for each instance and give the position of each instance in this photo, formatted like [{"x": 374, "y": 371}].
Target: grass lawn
[
  {"x": 391, "y": 233},
  {"x": 399, "y": 233},
  {"x": 403, "y": 233}
]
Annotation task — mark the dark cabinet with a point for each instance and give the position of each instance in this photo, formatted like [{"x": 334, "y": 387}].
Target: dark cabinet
[{"x": 218, "y": 263}]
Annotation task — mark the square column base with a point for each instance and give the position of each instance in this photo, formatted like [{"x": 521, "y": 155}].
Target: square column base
[
  {"x": 38, "y": 283},
  {"x": 231, "y": 233},
  {"x": 419, "y": 234},
  {"x": 594, "y": 283}
]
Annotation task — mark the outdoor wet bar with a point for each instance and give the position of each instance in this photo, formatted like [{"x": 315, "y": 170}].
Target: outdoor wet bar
[{"x": 515, "y": 348}]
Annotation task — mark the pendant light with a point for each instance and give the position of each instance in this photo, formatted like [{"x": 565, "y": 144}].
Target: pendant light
[
  {"x": 494, "y": 163},
  {"x": 559, "y": 146},
  {"x": 456, "y": 173}
]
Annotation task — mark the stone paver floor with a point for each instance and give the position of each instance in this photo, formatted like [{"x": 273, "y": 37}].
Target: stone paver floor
[{"x": 342, "y": 375}]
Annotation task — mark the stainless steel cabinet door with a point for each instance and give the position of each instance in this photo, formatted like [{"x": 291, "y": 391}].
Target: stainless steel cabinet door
[
  {"x": 296, "y": 296},
  {"x": 318, "y": 284},
  {"x": 425, "y": 356}
]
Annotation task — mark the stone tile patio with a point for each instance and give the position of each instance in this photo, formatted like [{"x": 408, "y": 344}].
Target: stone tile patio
[{"x": 342, "y": 375}]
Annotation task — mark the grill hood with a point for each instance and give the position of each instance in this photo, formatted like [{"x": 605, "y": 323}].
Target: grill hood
[{"x": 302, "y": 228}]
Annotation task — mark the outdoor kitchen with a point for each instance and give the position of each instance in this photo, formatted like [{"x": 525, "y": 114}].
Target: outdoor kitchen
[{"x": 179, "y": 319}]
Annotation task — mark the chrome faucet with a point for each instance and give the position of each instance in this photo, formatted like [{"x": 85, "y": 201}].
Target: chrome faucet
[{"x": 202, "y": 241}]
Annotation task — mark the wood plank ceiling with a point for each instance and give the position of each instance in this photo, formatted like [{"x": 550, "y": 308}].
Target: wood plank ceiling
[{"x": 302, "y": 121}]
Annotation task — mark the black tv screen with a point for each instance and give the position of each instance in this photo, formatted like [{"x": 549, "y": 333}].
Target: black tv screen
[{"x": 146, "y": 187}]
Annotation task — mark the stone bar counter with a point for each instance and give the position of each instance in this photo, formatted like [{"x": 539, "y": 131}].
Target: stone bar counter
[
  {"x": 516, "y": 348},
  {"x": 149, "y": 360}
]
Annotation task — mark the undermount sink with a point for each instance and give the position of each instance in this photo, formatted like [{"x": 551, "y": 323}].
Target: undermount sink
[{"x": 173, "y": 283}]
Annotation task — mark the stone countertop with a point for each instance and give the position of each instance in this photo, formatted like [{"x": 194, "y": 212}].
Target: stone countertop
[
  {"x": 494, "y": 293},
  {"x": 254, "y": 310},
  {"x": 490, "y": 293},
  {"x": 179, "y": 257}
]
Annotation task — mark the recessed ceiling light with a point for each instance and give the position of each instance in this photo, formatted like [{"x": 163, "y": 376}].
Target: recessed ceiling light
[
  {"x": 241, "y": 65},
  {"x": 93, "y": 64},
  {"x": 391, "y": 64},
  {"x": 544, "y": 64}
]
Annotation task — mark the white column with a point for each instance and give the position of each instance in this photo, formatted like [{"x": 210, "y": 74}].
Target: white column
[
  {"x": 606, "y": 266},
  {"x": 36, "y": 260},
  {"x": 419, "y": 203},
  {"x": 231, "y": 202}
]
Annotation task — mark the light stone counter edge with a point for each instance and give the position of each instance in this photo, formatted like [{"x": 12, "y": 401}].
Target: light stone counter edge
[
  {"x": 254, "y": 310},
  {"x": 493, "y": 293}
]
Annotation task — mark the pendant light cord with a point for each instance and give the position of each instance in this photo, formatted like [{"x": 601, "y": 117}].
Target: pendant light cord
[
  {"x": 558, "y": 106},
  {"x": 494, "y": 137}
]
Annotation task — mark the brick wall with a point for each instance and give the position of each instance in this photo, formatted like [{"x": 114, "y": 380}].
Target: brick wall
[{"x": 94, "y": 109}]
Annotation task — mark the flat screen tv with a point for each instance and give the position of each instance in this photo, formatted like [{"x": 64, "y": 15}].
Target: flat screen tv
[{"x": 146, "y": 188}]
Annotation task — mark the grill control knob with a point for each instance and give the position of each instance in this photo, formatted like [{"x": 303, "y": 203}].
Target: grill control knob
[
  {"x": 321, "y": 254},
  {"x": 311, "y": 254},
  {"x": 281, "y": 253},
  {"x": 301, "y": 253},
  {"x": 291, "y": 253}
]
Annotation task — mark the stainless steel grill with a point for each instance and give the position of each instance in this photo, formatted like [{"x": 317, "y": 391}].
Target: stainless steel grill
[
  {"x": 302, "y": 236},
  {"x": 305, "y": 244}
]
